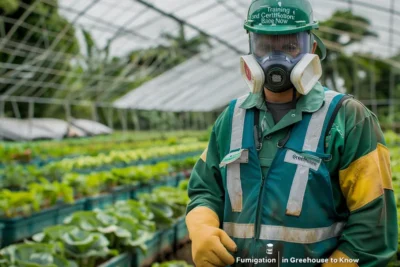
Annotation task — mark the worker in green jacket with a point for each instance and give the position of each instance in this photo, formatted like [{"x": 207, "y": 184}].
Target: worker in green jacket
[{"x": 293, "y": 175}]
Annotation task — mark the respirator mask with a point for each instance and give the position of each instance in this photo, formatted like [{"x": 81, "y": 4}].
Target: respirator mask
[{"x": 281, "y": 62}]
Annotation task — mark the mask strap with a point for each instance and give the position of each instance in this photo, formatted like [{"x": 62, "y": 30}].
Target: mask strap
[
  {"x": 294, "y": 98},
  {"x": 250, "y": 52},
  {"x": 321, "y": 46}
]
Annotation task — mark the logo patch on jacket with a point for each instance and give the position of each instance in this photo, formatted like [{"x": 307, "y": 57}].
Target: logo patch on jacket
[
  {"x": 240, "y": 156},
  {"x": 309, "y": 161}
]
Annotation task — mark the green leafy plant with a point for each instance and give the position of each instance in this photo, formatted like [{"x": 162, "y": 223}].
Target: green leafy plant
[
  {"x": 183, "y": 185},
  {"x": 86, "y": 247},
  {"x": 44, "y": 195},
  {"x": 142, "y": 173},
  {"x": 14, "y": 204},
  {"x": 46, "y": 150},
  {"x": 84, "y": 185},
  {"x": 133, "y": 226},
  {"x": 167, "y": 204},
  {"x": 187, "y": 163},
  {"x": 135, "y": 209},
  {"x": 121, "y": 228},
  {"x": 17, "y": 177},
  {"x": 50, "y": 193},
  {"x": 126, "y": 176},
  {"x": 130, "y": 233},
  {"x": 52, "y": 233},
  {"x": 127, "y": 156},
  {"x": 33, "y": 255},
  {"x": 392, "y": 139},
  {"x": 172, "y": 264},
  {"x": 86, "y": 220}
]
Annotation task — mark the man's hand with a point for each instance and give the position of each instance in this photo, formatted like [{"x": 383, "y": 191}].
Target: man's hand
[{"x": 210, "y": 245}]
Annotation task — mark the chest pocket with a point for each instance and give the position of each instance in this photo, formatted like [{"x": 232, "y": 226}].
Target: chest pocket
[
  {"x": 235, "y": 157},
  {"x": 303, "y": 159}
]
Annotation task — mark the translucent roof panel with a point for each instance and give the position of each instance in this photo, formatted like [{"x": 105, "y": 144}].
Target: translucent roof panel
[
  {"x": 204, "y": 83},
  {"x": 201, "y": 85},
  {"x": 218, "y": 18}
]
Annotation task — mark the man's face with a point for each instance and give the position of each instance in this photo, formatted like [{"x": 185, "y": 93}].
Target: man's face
[{"x": 265, "y": 44}]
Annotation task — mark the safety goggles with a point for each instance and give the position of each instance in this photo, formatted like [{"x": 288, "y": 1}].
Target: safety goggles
[{"x": 263, "y": 46}]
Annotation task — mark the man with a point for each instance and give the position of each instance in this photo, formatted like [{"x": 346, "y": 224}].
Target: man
[{"x": 290, "y": 179}]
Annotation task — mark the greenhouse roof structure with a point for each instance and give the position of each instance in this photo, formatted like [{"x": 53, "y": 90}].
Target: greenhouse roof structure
[
  {"x": 56, "y": 69},
  {"x": 199, "y": 84}
]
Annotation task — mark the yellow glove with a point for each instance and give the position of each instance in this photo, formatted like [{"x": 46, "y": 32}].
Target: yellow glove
[
  {"x": 337, "y": 254},
  {"x": 210, "y": 244}
]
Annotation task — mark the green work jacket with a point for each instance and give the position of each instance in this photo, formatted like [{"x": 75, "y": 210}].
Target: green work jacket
[{"x": 359, "y": 171}]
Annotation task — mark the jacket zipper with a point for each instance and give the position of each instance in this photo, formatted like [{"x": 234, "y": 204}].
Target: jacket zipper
[
  {"x": 257, "y": 226},
  {"x": 258, "y": 211}
]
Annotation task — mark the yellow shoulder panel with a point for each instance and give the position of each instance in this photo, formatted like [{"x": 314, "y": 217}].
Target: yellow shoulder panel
[
  {"x": 204, "y": 155},
  {"x": 384, "y": 164},
  {"x": 366, "y": 178}
]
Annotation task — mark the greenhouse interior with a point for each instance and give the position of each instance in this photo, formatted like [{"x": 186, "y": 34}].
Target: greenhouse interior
[{"x": 107, "y": 106}]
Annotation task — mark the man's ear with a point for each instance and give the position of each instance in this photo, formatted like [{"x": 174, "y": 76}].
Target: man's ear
[{"x": 314, "y": 47}]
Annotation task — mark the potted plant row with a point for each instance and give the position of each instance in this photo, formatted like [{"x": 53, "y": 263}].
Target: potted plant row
[
  {"x": 118, "y": 159},
  {"x": 43, "y": 152},
  {"x": 17, "y": 177},
  {"x": 25, "y": 213},
  {"x": 129, "y": 233}
]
